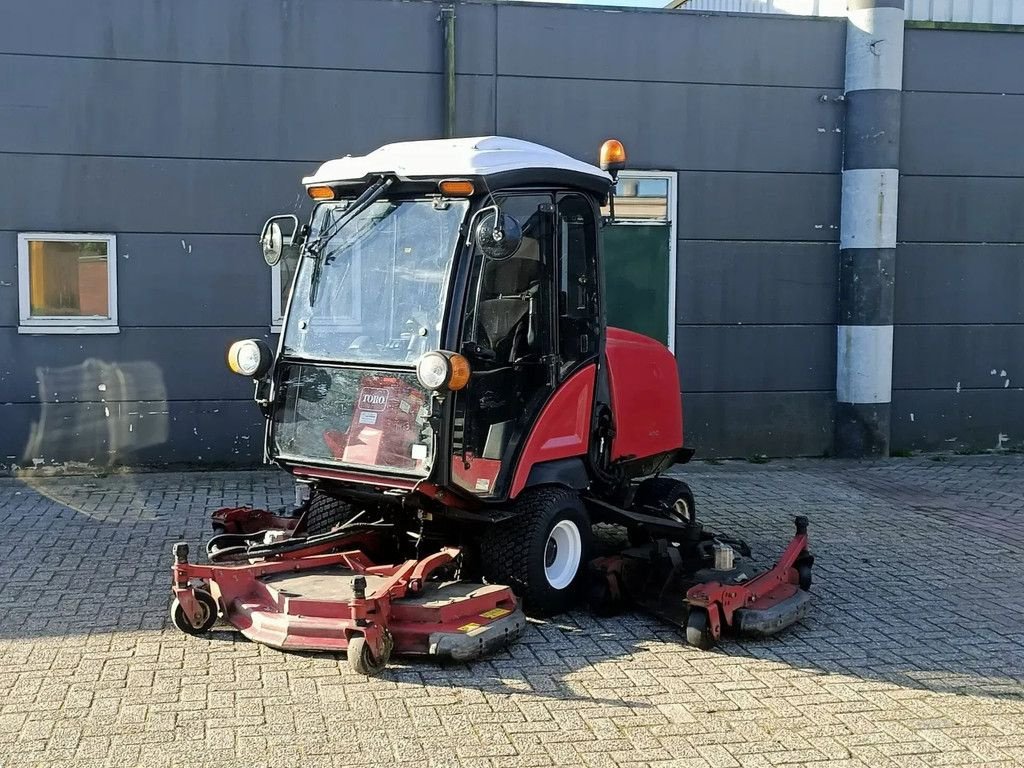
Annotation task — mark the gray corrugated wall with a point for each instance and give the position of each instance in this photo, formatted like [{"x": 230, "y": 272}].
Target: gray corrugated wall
[
  {"x": 747, "y": 110},
  {"x": 958, "y": 372},
  {"x": 180, "y": 126},
  {"x": 188, "y": 121}
]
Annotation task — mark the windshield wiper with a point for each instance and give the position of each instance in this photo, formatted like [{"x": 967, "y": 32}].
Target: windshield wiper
[{"x": 316, "y": 247}]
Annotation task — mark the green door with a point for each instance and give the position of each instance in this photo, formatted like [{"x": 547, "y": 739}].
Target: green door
[
  {"x": 639, "y": 255},
  {"x": 637, "y": 277}
]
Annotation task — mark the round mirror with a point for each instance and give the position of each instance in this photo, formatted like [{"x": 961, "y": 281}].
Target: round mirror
[
  {"x": 272, "y": 243},
  {"x": 498, "y": 235}
]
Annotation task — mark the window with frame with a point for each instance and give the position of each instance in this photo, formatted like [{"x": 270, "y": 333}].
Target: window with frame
[
  {"x": 67, "y": 282},
  {"x": 641, "y": 196}
]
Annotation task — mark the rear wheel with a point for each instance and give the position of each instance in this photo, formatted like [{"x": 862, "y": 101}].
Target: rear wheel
[
  {"x": 662, "y": 497},
  {"x": 543, "y": 551},
  {"x": 325, "y": 512}
]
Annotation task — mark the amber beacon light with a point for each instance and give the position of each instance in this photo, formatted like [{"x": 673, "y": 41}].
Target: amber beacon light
[{"x": 613, "y": 156}]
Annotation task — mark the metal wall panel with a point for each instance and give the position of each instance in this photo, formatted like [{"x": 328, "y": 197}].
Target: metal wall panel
[
  {"x": 355, "y": 34},
  {"x": 161, "y": 109},
  {"x": 955, "y": 283},
  {"x": 945, "y": 420},
  {"x": 192, "y": 433},
  {"x": 751, "y": 424},
  {"x": 185, "y": 363},
  {"x": 126, "y": 194},
  {"x": 665, "y": 45},
  {"x": 679, "y": 126},
  {"x": 962, "y": 134},
  {"x": 962, "y": 61},
  {"x": 966, "y": 356},
  {"x": 722, "y": 282},
  {"x": 172, "y": 280},
  {"x": 756, "y": 358},
  {"x": 759, "y": 206},
  {"x": 944, "y": 209}
]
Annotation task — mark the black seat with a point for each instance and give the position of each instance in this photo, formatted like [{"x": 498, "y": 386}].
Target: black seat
[{"x": 503, "y": 316}]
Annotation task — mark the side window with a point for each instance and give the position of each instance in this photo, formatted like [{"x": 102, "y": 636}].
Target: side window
[
  {"x": 578, "y": 281},
  {"x": 67, "y": 283},
  {"x": 509, "y": 313}
]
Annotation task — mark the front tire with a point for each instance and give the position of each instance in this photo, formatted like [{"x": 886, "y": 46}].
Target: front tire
[
  {"x": 543, "y": 552},
  {"x": 325, "y": 512}
]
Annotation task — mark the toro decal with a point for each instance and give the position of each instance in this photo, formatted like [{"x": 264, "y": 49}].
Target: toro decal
[{"x": 373, "y": 399}]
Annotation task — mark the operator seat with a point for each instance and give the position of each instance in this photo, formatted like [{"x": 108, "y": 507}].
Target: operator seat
[{"x": 503, "y": 316}]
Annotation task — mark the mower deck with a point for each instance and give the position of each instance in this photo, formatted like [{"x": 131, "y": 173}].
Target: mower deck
[
  {"x": 668, "y": 580},
  {"x": 307, "y": 600},
  {"x": 324, "y": 593}
]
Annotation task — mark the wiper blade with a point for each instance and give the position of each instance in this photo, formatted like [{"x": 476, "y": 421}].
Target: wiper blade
[{"x": 316, "y": 247}]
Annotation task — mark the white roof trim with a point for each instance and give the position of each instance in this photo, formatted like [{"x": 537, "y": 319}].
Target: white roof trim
[{"x": 480, "y": 156}]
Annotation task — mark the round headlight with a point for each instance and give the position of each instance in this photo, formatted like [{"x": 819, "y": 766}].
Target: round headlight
[
  {"x": 251, "y": 357},
  {"x": 442, "y": 370},
  {"x": 432, "y": 370}
]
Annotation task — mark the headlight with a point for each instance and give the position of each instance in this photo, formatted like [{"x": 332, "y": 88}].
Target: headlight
[
  {"x": 443, "y": 371},
  {"x": 251, "y": 357}
]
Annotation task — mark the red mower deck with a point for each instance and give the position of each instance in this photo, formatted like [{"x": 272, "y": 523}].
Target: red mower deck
[
  {"x": 307, "y": 599},
  {"x": 674, "y": 583}
]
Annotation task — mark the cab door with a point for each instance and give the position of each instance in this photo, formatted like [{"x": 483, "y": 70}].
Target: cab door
[{"x": 508, "y": 335}]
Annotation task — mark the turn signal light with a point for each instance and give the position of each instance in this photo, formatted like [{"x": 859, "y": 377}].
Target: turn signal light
[
  {"x": 460, "y": 372},
  {"x": 456, "y": 187},
  {"x": 613, "y": 155},
  {"x": 321, "y": 193}
]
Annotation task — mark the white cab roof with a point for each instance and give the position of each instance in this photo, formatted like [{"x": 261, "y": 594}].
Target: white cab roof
[{"x": 480, "y": 156}]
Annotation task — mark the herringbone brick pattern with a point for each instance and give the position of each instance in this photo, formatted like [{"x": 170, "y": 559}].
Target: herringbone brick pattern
[{"x": 913, "y": 654}]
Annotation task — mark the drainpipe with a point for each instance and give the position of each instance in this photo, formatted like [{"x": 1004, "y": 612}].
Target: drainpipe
[
  {"x": 867, "y": 234},
  {"x": 447, "y": 19}
]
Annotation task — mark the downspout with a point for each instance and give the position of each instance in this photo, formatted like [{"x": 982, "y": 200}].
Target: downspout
[{"x": 447, "y": 19}]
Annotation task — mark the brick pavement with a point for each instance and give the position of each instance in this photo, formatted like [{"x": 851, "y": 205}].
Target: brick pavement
[{"x": 912, "y": 656}]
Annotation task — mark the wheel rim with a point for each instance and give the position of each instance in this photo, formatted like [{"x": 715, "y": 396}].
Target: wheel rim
[{"x": 562, "y": 554}]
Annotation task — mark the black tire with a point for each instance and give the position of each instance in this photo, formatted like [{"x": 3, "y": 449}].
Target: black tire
[
  {"x": 658, "y": 496},
  {"x": 518, "y": 552},
  {"x": 325, "y": 512},
  {"x": 361, "y": 659},
  {"x": 698, "y": 629},
  {"x": 803, "y": 570},
  {"x": 207, "y": 603}
]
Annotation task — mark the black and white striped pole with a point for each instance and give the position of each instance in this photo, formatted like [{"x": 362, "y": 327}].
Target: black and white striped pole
[{"x": 867, "y": 233}]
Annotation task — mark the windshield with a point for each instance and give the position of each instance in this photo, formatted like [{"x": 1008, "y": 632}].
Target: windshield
[{"x": 379, "y": 288}]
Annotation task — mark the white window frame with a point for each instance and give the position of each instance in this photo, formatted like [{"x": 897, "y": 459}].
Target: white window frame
[
  {"x": 63, "y": 324},
  {"x": 671, "y": 214}
]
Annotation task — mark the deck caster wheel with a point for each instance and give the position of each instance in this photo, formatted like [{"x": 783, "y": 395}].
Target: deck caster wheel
[
  {"x": 803, "y": 571},
  {"x": 698, "y": 629},
  {"x": 207, "y": 610},
  {"x": 361, "y": 659}
]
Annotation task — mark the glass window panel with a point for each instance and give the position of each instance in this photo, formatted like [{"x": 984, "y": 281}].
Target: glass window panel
[
  {"x": 642, "y": 198},
  {"x": 68, "y": 278}
]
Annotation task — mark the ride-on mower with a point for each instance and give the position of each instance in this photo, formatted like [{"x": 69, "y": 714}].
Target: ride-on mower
[{"x": 457, "y": 416}]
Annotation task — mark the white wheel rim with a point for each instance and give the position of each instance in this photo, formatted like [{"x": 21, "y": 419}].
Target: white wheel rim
[{"x": 563, "y": 552}]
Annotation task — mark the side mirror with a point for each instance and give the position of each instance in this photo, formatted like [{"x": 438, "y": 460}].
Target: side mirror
[
  {"x": 498, "y": 235},
  {"x": 275, "y": 241}
]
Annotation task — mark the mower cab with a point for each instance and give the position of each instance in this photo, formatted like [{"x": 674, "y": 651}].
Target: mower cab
[{"x": 445, "y": 373}]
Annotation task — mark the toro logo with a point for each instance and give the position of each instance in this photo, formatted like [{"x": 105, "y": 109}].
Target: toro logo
[{"x": 373, "y": 399}]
